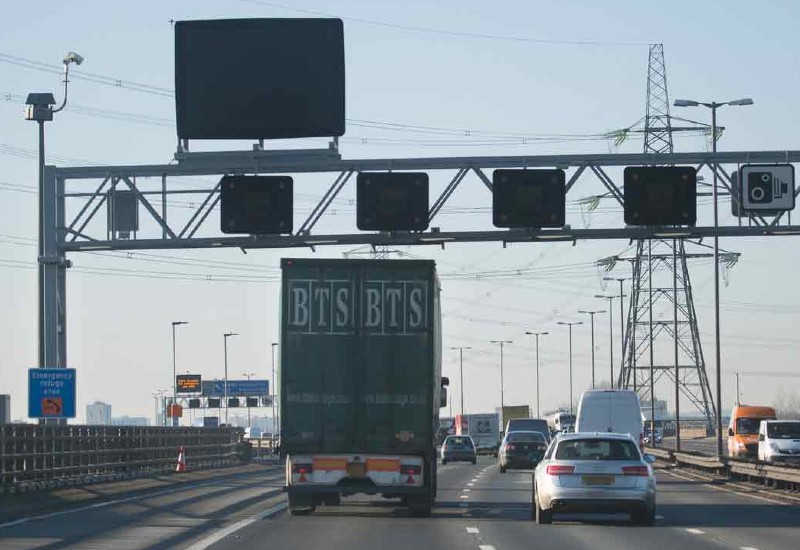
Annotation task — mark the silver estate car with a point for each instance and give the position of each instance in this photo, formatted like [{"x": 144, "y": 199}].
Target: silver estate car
[{"x": 594, "y": 473}]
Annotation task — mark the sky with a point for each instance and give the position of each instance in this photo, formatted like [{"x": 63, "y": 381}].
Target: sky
[{"x": 493, "y": 79}]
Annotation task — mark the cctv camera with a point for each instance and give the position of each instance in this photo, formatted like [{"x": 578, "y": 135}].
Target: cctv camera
[{"x": 73, "y": 57}]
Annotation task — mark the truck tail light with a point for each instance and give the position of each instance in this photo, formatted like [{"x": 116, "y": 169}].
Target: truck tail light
[
  {"x": 302, "y": 468},
  {"x": 636, "y": 471},
  {"x": 410, "y": 469},
  {"x": 556, "y": 470}
]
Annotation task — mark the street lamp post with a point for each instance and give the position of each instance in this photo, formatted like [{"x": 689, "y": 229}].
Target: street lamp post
[
  {"x": 620, "y": 280},
  {"x": 225, "y": 383},
  {"x": 537, "y": 334},
  {"x": 610, "y": 299},
  {"x": 717, "y": 348},
  {"x": 274, "y": 390},
  {"x": 502, "y": 396},
  {"x": 461, "y": 373},
  {"x": 591, "y": 315},
  {"x": 175, "y": 372},
  {"x": 570, "y": 325}
]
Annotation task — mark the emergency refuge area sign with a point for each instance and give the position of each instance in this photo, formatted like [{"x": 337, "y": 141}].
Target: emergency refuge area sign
[{"x": 51, "y": 393}]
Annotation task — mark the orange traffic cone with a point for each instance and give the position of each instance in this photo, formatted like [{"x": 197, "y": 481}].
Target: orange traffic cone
[{"x": 181, "y": 467}]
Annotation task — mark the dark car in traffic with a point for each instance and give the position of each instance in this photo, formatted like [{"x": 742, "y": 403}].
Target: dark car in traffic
[
  {"x": 521, "y": 450},
  {"x": 459, "y": 448}
]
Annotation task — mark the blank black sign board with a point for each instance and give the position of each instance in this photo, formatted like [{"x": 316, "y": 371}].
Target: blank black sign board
[
  {"x": 392, "y": 201},
  {"x": 214, "y": 402},
  {"x": 194, "y": 403},
  {"x": 259, "y": 78},
  {"x": 233, "y": 402},
  {"x": 252, "y": 401},
  {"x": 660, "y": 195},
  {"x": 528, "y": 198},
  {"x": 256, "y": 205}
]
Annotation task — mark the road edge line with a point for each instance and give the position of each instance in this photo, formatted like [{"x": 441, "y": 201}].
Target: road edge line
[{"x": 220, "y": 534}]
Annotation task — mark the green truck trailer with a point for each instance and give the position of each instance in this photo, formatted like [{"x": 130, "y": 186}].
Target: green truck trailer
[{"x": 360, "y": 380}]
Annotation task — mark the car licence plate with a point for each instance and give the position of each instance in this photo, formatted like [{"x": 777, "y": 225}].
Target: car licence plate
[
  {"x": 357, "y": 469},
  {"x": 598, "y": 480}
]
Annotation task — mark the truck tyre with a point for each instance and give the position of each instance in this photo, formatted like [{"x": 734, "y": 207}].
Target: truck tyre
[
  {"x": 421, "y": 506},
  {"x": 301, "y": 505},
  {"x": 333, "y": 499},
  {"x": 543, "y": 517}
]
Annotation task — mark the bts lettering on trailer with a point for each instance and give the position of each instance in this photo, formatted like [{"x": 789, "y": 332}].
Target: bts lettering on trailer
[{"x": 385, "y": 307}]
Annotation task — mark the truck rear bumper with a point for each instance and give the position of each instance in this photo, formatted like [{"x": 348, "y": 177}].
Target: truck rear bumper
[{"x": 352, "y": 490}]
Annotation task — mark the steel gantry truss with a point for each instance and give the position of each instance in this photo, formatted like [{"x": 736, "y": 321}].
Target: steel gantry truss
[{"x": 149, "y": 182}]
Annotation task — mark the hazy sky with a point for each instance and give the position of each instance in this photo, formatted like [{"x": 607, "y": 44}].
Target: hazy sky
[{"x": 521, "y": 68}]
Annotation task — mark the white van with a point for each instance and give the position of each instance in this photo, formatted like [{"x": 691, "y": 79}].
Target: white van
[
  {"x": 779, "y": 441},
  {"x": 611, "y": 411}
]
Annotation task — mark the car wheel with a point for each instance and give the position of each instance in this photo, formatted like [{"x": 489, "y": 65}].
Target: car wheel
[
  {"x": 444, "y": 461},
  {"x": 502, "y": 469},
  {"x": 646, "y": 516},
  {"x": 474, "y": 460},
  {"x": 543, "y": 517}
]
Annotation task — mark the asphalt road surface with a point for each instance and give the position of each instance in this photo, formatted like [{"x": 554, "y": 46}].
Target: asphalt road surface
[{"x": 477, "y": 508}]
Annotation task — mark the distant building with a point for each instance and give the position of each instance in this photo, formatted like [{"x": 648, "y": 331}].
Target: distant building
[
  {"x": 130, "y": 421},
  {"x": 5, "y": 409},
  {"x": 98, "y": 413}
]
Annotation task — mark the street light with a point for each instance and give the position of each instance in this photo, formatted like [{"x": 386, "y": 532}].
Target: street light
[
  {"x": 502, "y": 399},
  {"x": 274, "y": 390},
  {"x": 537, "y": 334},
  {"x": 225, "y": 383},
  {"x": 248, "y": 375},
  {"x": 461, "y": 373},
  {"x": 610, "y": 299},
  {"x": 174, "y": 371},
  {"x": 620, "y": 280},
  {"x": 40, "y": 109},
  {"x": 570, "y": 325},
  {"x": 717, "y": 348},
  {"x": 591, "y": 314}
]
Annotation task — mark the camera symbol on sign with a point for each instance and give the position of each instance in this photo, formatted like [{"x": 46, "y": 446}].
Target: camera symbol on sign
[{"x": 764, "y": 187}]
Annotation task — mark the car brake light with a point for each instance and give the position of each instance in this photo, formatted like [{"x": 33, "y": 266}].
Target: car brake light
[
  {"x": 636, "y": 471},
  {"x": 410, "y": 469},
  {"x": 556, "y": 470},
  {"x": 302, "y": 468}
]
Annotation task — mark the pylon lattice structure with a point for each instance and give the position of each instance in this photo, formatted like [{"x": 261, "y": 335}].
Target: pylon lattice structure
[{"x": 660, "y": 280}]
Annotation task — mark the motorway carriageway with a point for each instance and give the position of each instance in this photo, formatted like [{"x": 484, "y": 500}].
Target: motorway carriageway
[{"x": 477, "y": 508}]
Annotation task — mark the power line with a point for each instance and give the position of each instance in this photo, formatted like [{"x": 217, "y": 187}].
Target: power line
[{"x": 448, "y": 32}]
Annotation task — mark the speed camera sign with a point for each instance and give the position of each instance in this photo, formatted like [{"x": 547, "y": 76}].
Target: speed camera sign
[{"x": 767, "y": 187}]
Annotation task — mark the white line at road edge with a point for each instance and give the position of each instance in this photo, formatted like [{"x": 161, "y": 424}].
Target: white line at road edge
[
  {"x": 726, "y": 490},
  {"x": 182, "y": 487},
  {"x": 486, "y": 547},
  {"x": 748, "y": 548},
  {"x": 222, "y": 533},
  {"x": 695, "y": 531}
]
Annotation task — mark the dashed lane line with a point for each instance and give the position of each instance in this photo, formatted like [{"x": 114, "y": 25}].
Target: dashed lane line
[
  {"x": 217, "y": 536},
  {"x": 694, "y": 531},
  {"x": 463, "y": 496},
  {"x": 473, "y": 530},
  {"x": 486, "y": 547}
]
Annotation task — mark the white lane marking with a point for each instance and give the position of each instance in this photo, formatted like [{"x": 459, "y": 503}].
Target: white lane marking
[
  {"x": 109, "y": 503},
  {"x": 465, "y": 490},
  {"x": 486, "y": 547},
  {"x": 470, "y": 484},
  {"x": 694, "y": 531},
  {"x": 659, "y": 517},
  {"x": 741, "y": 494},
  {"x": 463, "y": 496},
  {"x": 214, "y": 538},
  {"x": 473, "y": 530},
  {"x": 748, "y": 548}
]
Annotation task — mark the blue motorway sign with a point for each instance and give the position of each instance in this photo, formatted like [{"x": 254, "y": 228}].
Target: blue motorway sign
[
  {"x": 236, "y": 388},
  {"x": 51, "y": 393}
]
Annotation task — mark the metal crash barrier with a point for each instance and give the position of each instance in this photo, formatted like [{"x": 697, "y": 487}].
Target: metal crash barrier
[{"x": 35, "y": 457}]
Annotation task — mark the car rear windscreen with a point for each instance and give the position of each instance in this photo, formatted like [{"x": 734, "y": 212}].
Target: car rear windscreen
[
  {"x": 515, "y": 437},
  {"x": 458, "y": 442},
  {"x": 597, "y": 449}
]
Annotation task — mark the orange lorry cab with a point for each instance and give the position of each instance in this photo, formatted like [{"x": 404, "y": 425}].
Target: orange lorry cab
[{"x": 743, "y": 429}]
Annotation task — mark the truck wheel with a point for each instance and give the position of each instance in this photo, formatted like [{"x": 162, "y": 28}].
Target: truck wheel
[
  {"x": 502, "y": 469},
  {"x": 301, "y": 505},
  {"x": 333, "y": 499},
  {"x": 421, "y": 506}
]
